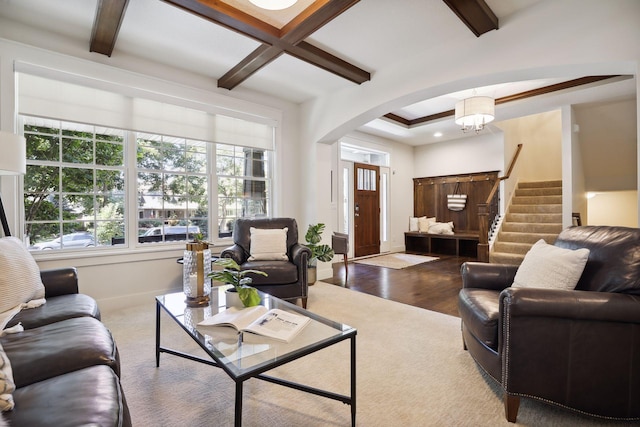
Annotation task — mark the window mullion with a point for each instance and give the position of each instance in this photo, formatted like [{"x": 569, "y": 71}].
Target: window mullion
[{"x": 131, "y": 189}]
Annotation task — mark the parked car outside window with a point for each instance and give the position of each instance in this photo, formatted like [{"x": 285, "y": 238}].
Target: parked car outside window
[
  {"x": 172, "y": 229},
  {"x": 68, "y": 241}
]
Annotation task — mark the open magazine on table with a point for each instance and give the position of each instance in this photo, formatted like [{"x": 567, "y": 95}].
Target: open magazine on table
[{"x": 275, "y": 323}]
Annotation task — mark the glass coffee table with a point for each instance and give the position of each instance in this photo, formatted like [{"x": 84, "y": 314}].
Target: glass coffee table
[{"x": 246, "y": 356}]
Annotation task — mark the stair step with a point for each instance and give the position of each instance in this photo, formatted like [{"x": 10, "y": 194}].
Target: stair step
[
  {"x": 534, "y": 218},
  {"x": 542, "y": 191},
  {"x": 531, "y": 238},
  {"x": 535, "y": 213},
  {"x": 519, "y": 227},
  {"x": 535, "y": 209},
  {"x": 536, "y": 200},
  {"x": 512, "y": 247},
  {"x": 505, "y": 258},
  {"x": 538, "y": 184}
]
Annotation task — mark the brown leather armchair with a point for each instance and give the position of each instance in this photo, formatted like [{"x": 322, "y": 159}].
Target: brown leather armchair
[
  {"x": 578, "y": 349},
  {"x": 285, "y": 279}
]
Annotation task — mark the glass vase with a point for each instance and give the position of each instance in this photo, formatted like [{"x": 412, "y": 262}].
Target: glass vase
[{"x": 195, "y": 275}]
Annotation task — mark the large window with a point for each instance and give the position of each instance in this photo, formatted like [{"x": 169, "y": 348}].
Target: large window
[
  {"x": 76, "y": 189},
  {"x": 172, "y": 188},
  {"x": 243, "y": 185}
]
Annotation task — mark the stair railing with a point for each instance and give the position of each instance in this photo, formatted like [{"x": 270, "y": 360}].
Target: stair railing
[{"x": 489, "y": 211}]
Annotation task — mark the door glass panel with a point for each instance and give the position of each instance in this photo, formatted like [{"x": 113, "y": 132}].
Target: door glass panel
[
  {"x": 346, "y": 182},
  {"x": 384, "y": 186}
]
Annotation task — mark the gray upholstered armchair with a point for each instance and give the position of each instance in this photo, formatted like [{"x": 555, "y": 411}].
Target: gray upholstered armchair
[
  {"x": 579, "y": 349},
  {"x": 286, "y": 279}
]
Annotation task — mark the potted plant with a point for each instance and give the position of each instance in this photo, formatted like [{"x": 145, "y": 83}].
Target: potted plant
[
  {"x": 232, "y": 275},
  {"x": 319, "y": 252}
]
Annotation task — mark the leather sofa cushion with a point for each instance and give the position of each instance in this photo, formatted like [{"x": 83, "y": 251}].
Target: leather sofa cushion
[
  {"x": 56, "y": 309},
  {"x": 480, "y": 312},
  {"x": 278, "y": 272},
  {"x": 614, "y": 257},
  {"x": 91, "y": 396},
  {"x": 66, "y": 346}
]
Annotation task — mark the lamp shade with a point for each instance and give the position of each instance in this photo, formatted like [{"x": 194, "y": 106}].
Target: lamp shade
[
  {"x": 474, "y": 113},
  {"x": 273, "y": 4},
  {"x": 13, "y": 154}
]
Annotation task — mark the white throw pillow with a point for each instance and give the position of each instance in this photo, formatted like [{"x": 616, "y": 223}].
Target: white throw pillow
[
  {"x": 413, "y": 224},
  {"x": 441, "y": 228},
  {"x": 548, "y": 266},
  {"x": 268, "y": 244},
  {"x": 424, "y": 223},
  {"x": 20, "y": 280},
  {"x": 7, "y": 386}
]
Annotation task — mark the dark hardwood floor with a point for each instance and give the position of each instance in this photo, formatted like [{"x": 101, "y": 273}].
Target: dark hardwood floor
[{"x": 433, "y": 285}]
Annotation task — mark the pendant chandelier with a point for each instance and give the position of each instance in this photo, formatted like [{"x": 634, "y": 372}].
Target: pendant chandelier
[
  {"x": 273, "y": 4},
  {"x": 474, "y": 113}
]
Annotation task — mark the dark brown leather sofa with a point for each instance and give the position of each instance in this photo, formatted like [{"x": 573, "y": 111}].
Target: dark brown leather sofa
[
  {"x": 65, "y": 363},
  {"x": 578, "y": 349},
  {"x": 285, "y": 279}
]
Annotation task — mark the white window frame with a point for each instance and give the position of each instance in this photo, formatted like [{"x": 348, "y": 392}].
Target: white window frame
[{"x": 131, "y": 170}]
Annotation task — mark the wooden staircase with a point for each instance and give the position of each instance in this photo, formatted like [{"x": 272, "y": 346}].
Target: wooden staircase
[{"x": 535, "y": 213}]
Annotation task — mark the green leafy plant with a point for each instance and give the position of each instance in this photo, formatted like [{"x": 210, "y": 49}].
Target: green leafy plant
[
  {"x": 319, "y": 252},
  {"x": 232, "y": 275}
]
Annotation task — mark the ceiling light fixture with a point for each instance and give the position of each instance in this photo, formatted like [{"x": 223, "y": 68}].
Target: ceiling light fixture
[
  {"x": 474, "y": 113},
  {"x": 273, "y": 4}
]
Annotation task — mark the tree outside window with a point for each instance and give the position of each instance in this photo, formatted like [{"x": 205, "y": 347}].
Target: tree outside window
[
  {"x": 74, "y": 183},
  {"x": 75, "y": 186}
]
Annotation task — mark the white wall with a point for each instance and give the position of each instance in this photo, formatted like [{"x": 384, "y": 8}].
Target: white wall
[
  {"x": 571, "y": 140},
  {"x": 541, "y": 155},
  {"x": 325, "y": 206},
  {"x": 613, "y": 208},
  {"x": 481, "y": 153},
  {"x": 610, "y": 149}
]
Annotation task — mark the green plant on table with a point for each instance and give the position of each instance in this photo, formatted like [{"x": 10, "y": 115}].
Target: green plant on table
[
  {"x": 319, "y": 252},
  {"x": 233, "y": 275}
]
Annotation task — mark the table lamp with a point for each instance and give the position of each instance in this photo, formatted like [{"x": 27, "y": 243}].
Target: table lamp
[{"x": 13, "y": 161}]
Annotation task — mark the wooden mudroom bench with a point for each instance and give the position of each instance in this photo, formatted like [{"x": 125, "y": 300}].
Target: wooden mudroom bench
[{"x": 459, "y": 244}]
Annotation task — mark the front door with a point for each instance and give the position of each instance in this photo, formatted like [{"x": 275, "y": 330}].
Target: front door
[{"x": 366, "y": 205}]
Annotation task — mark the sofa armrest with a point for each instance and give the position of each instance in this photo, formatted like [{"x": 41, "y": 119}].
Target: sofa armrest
[
  {"x": 487, "y": 276},
  {"x": 300, "y": 255},
  {"x": 576, "y": 305},
  {"x": 573, "y": 348},
  {"x": 234, "y": 252},
  {"x": 60, "y": 281}
]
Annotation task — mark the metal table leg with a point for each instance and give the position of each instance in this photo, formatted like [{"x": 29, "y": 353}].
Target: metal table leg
[
  {"x": 157, "y": 334},
  {"x": 353, "y": 381},
  {"x": 238, "y": 414}
]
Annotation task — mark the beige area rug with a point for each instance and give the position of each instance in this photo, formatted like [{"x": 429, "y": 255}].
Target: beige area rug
[
  {"x": 396, "y": 261},
  {"x": 411, "y": 371}
]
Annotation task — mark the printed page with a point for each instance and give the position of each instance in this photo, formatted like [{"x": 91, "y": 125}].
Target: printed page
[
  {"x": 237, "y": 318},
  {"x": 279, "y": 324}
]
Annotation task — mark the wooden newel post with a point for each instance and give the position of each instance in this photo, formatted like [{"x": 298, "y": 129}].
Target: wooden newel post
[{"x": 483, "y": 238}]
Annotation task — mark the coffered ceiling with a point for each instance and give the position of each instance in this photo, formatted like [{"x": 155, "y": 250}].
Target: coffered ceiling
[{"x": 306, "y": 51}]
